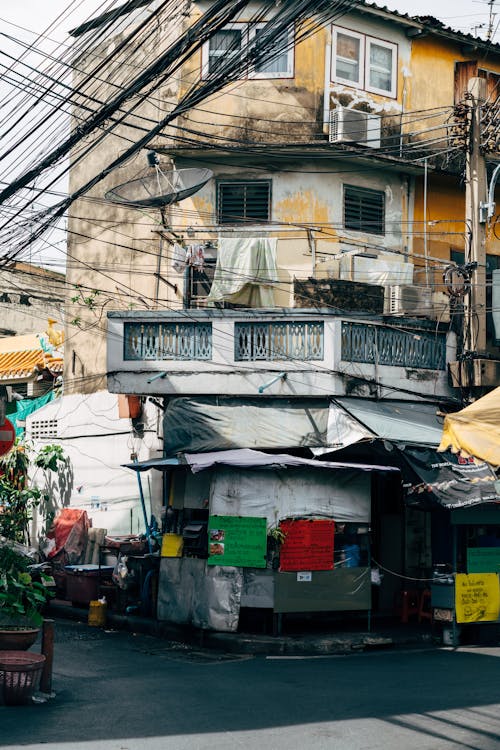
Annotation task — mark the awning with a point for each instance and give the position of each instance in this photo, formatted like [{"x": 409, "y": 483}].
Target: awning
[
  {"x": 475, "y": 430},
  {"x": 246, "y": 458},
  {"x": 162, "y": 464},
  {"x": 449, "y": 479},
  {"x": 196, "y": 425},
  {"x": 404, "y": 422},
  {"x": 222, "y": 423}
]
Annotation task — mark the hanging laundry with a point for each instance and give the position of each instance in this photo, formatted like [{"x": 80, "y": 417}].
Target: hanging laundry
[
  {"x": 178, "y": 258},
  {"x": 246, "y": 271},
  {"x": 195, "y": 256}
]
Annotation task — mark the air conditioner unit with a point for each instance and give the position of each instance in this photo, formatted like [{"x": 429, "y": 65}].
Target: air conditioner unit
[
  {"x": 354, "y": 126},
  {"x": 411, "y": 301}
]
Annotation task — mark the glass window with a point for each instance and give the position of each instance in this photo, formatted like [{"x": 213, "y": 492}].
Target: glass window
[
  {"x": 220, "y": 46},
  {"x": 279, "y": 62},
  {"x": 381, "y": 67},
  {"x": 348, "y": 55}
]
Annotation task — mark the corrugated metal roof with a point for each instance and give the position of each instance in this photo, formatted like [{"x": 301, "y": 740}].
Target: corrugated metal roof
[
  {"x": 428, "y": 23},
  {"x": 25, "y": 364},
  {"x": 434, "y": 26}
]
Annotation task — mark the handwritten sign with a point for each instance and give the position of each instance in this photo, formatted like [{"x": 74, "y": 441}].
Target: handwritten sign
[
  {"x": 237, "y": 540},
  {"x": 308, "y": 545},
  {"x": 477, "y": 597}
]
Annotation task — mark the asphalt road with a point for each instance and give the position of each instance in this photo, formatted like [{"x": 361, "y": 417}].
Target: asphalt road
[{"x": 117, "y": 691}]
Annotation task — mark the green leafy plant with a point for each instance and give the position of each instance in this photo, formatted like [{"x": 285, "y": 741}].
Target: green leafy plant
[
  {"x": 276, "y": 534},
  {"x": 21, "y": 598},
  {"x": 50, "y": 457},
  {"x": 18, "y": 497}
]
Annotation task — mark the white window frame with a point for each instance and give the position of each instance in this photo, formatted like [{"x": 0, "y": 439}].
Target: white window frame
[
  {"x": 290, "y": 54},
  {"x": 355, "y": 35},
  {"x": 366, "y": 42},
  {"x": 394, "y": 49},
  {"x": 205, "y": 50}
]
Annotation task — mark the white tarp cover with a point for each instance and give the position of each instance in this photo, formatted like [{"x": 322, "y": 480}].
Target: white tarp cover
[
  {"x": 294, "y": 491},
  {"x": 342, "y": 430},
  {"x": 245, "y": 457},
  {"x": 245, "y": 271}
]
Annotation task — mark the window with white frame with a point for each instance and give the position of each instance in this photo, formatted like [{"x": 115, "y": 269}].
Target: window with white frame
[
  {"x": 279, "y": 55},
  {"x": 233, "y": 39},
  {"x": 364, "y": 62},
  {"x": 348, "y": 59},
  {"x": 223, "y": 44}
]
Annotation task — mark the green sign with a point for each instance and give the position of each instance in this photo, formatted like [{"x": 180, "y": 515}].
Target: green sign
[
  {"x": 237, "y": 540},
  {"x": 483, "y": 560}
]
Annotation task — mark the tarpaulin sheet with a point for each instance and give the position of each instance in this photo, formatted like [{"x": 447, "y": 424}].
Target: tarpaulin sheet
[
  {"x": 475, "y": 430},
  {"x": 245, "y": 458},
  {"x": 453, "y": 481},
  {"x": 68, "y": 535},
  {"x": 191, "y": 593},
  {"x": 412, "y": 422},
  {"x": 208, "y": 424},
  {"x": 300, "y": 491}
]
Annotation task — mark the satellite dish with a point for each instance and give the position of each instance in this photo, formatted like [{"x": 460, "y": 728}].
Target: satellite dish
[{"x": 157, "y": 188}]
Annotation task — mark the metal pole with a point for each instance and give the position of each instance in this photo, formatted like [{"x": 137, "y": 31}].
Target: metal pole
[
  {"x": 426, "y": 247},
  {"x": 143, "y": 506},
  {"x": 475, "y": 193}
]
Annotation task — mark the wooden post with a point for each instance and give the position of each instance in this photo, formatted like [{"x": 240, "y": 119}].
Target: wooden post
[{"x": 48, "y": 652}]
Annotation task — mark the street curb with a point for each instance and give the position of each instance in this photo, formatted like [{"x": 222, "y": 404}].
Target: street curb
[{"x": 241, "y": 643}]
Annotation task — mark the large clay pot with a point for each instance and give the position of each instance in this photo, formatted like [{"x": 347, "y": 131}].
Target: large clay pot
[{"x": 17, "y": 638}]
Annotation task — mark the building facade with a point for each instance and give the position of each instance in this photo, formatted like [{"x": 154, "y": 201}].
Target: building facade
[{"x": 314, "y": 272}]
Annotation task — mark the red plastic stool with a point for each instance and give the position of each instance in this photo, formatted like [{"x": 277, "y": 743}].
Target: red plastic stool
[
  {"x": 424, "y": 606},
  {"x": 407, "y": 603}
]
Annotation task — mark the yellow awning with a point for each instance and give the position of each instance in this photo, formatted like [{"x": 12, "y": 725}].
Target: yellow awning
[{"x": 475, "y": 430}]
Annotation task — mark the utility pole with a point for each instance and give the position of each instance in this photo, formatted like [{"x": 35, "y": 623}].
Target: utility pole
[{"x": 475, "y": 194}]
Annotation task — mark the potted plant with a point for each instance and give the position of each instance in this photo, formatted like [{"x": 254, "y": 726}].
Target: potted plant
[
  {"x": 275, "y": 538},
  {"x": 21, "y": 599}
]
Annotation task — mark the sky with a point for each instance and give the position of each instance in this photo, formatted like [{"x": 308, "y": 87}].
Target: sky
[
  {"x": 464, "y": 15},
  {"x": 32, "y": 20}
]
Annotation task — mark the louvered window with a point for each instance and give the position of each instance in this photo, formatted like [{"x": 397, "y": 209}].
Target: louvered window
[
  {"x": 364, "y": 209},
  {"x": 243, "y": 202}
]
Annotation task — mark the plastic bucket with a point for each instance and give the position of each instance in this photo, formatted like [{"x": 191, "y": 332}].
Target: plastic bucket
[
  {"x": 171, "y": 545},
  {"x": 97, "y": 614}
]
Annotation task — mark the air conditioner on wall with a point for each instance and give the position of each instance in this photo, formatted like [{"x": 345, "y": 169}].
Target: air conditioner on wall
[
  {"x": 353, "y": 126},
  {"x": 412, "y": 301}
]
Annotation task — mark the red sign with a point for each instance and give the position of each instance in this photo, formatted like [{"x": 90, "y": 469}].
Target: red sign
[
  {"x": 7, "y": 437},
  {"x": 308, "y": 545}
]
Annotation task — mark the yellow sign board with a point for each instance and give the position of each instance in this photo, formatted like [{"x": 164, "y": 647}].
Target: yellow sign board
[{"x": 477, "y": 597}]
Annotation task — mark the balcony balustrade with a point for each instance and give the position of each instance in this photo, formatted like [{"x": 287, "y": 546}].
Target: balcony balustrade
[{"x": 236, "y": 352}]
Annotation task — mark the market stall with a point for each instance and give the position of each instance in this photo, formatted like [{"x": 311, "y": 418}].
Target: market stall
[{"x": 274, "y": 532}]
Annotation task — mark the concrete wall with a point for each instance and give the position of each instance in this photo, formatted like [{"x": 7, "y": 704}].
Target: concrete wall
[
  {"x": 97, "y": 443},
  {"x": 29, "y": 296}
]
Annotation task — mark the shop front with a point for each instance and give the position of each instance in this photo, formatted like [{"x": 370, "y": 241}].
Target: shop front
[{"x": 247, "y": 530}]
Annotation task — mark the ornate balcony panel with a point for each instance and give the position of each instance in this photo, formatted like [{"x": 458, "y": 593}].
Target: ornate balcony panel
[
  {"x": 167, "y": 341},
  {"x": 278, "y": 341},
  {"x": 387, "y": 346}
]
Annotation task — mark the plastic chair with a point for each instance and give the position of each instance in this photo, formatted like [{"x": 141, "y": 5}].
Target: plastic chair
[
  {"x": 424, "y": 606},
  {"x": 407, "y": 604}
]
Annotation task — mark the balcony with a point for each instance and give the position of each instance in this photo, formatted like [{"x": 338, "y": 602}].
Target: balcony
[{"x": 302, "y": 351}]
